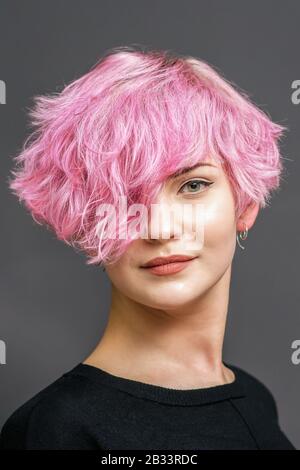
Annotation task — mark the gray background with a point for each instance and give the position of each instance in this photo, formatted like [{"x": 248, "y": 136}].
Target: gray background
[{"x": 54, "y": 307}]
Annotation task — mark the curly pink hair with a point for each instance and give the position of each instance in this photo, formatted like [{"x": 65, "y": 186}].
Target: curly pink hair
[{"x": 122, "y": 128}]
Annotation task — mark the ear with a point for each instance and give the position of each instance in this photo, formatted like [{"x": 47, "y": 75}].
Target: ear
[{"x": 248, "y": 217}]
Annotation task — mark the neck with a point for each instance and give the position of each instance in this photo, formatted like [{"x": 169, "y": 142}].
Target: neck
[{"x": 167, "y": 347}]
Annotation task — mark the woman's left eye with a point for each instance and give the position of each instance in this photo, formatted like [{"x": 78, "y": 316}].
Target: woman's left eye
[{"x": 194, "y": 185}]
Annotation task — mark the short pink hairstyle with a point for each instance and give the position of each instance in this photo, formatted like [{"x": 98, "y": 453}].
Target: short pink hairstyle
[{"x": 124, "y": 127}]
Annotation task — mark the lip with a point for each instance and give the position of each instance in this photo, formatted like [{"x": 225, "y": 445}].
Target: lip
[
  {"x": 160, "y": 260},
  {"x": 163, "y": 266}
]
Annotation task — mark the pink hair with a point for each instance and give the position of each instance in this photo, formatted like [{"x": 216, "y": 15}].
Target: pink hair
[{"x": 122, "y": 128}]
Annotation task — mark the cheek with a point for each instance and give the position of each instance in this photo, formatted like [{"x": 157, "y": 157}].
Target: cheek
[
  {"x": 124, "y": 268},
  {"x": 219, "y": 225}
]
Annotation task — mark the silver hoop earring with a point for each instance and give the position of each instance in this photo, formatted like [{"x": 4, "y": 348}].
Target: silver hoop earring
[{"x": 242, "y": 235}]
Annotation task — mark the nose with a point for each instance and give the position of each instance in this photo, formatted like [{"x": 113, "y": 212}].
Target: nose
[
  {"x": 164, "y": 223},
  {"x": 168, "y": 220}
]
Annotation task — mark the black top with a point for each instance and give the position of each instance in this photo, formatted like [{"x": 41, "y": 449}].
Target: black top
[{"x": 89, "y": 408}]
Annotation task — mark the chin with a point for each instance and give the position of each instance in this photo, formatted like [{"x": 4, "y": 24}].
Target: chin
[{"x": 170, "y": 301}]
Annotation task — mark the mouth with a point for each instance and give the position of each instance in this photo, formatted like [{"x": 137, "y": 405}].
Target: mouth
[{"x": 168, "y": 265}]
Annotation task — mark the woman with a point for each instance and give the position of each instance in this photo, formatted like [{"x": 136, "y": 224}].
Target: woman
[{"x": 163, "y": 131}]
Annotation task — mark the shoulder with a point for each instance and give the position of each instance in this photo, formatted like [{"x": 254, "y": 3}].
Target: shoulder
[
  {"x": 256, "y": 390},
  {"x": 56, "y": 417}
]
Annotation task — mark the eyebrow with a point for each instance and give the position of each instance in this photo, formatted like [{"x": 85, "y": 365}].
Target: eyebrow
[{"x": 187, "y": 169}]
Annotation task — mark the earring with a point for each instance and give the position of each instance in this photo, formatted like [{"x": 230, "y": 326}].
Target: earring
[{"x": 243, "y": 235}]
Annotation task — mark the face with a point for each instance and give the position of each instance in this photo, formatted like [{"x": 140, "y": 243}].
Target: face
[{"x": 211, "y": 243}]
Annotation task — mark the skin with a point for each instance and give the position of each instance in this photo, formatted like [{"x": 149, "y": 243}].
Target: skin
[{"x": 169, "y": 330}]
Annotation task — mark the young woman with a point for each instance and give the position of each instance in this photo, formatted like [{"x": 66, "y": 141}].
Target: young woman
[{"x": 163, "y": 130}]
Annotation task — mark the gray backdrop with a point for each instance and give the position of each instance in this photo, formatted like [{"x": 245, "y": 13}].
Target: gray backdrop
[{"x": 53, "y": 306}]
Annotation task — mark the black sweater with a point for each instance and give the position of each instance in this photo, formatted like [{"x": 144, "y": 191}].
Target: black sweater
[{"x": 89, "y": 408}]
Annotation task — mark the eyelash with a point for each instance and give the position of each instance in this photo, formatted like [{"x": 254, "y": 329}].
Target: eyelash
[{"x": 205, "y": 183}]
